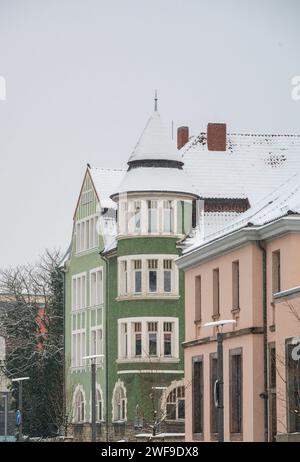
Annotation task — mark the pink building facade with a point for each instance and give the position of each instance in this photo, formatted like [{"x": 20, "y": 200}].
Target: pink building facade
[{"x": 248, "y": 273}]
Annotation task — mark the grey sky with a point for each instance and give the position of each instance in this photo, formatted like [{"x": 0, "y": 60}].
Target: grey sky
[{"x": 81, "y": 75}]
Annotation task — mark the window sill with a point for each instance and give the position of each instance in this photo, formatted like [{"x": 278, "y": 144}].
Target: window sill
[
  {"x": 150, "y": 359},
  {"x": 236, "y": 436},
  {"x": 235, "y": 312},
  {"x": 147, "y": 297},
  {"x": 137, "y": 235},
  {"x": 215, "y": 317},
  {"x": 198, "y": 437}
]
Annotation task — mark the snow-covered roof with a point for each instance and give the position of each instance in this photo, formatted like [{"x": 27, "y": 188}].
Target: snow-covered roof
[
  {"x": 285, "y": 199},
  {"x": 252, "y": 165},
  {"x": 155, "y": 143},
  {"x": 106, "y": 181},
  {"x": 156, "y": 179}
]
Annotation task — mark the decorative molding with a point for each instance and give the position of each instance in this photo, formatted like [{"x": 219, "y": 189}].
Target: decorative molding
[{"x": 226, "y": 335}]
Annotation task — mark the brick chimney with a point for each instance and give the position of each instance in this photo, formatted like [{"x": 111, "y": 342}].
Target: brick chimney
[
  {"x": 216, "y": 137},
  {"x": 182, "y": 136}
]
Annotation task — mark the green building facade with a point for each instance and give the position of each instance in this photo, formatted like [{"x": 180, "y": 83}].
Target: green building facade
[{"x": 125, "y": 295}]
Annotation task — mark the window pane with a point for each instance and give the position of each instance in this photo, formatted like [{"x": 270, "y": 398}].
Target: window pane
[
  {"x": 181, "y": 409},
  {"x": 138, "y": 344},
  {"x": 236, "y": 393},
  {"x": 167, "y": 344},
  {"x": 152, "y": 281},
  {"x": 171, "y": 411},
  {"x": 167, "y": 281},
  {"x": 152, "y": 344},
  {"x": 198, "y": 397},
  {"x": 138, "y": 281}
]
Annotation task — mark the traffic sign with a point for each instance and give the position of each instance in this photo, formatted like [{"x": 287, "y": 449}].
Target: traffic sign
[{"x": 18, "y": 417}]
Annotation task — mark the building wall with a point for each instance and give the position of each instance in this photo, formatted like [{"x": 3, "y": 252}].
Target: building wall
[
  {"x": 281, "y": 325},
  {"x": 83, "y": 263}
]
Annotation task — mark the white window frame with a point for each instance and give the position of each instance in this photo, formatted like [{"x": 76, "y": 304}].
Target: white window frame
[
  {"x": 145, "y": 356},
  {"x": 78, "y": 290},
  {"x": 98, "y": 300},
  {"x": 122, "y": 404},
  {"x": 86, "y": 235},
  {"x": 145, "y": 293}
]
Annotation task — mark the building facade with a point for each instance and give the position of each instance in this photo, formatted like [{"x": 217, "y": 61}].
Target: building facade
[
  {"x": 248, "y": 273},
  {"x": 124, "y": 294}
]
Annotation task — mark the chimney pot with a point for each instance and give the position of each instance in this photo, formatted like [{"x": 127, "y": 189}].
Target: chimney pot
[
  {"x": 216, "y": 137},
  {"x": 182, "y": 136}
]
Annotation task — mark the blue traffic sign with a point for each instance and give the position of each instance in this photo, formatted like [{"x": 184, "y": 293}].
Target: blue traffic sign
[{"x": 18, "y": 417}]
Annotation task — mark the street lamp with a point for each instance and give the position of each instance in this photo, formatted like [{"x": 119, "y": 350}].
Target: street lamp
[
  {"x": 93, "y": 358},
  {"x": 20, "y": 381},
  {"x": 219, "y": 383}
]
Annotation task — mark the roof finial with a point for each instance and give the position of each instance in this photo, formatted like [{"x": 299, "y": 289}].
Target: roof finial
[{"x": 155, "y": 101}]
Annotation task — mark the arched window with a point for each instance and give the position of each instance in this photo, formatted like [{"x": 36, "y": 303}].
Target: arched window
[
  {"x": 79, "y": 407},
  {"x": 175, "y": 404},
  {"x": 119, "y": 402},
  {"x": 99, "y": 406}
]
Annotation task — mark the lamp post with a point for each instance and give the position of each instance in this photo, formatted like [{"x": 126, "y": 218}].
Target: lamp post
[
  {"x": 20, "y": 381},
  {"x": 219, "y": 383},
  {"x": 93, "y": 359}
]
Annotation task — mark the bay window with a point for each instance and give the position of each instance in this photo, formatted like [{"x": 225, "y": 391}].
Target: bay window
[
  {"x": 142, "y": 338},
  {"x": 147, "y": 276}
]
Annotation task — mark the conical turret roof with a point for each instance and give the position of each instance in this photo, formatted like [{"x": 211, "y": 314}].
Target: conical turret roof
[{"x": 154, "y": 143}]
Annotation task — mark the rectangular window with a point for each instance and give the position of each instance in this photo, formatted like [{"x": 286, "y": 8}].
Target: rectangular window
[
  {"x": 138, "y": 338},
  {"x": 276, "y": 283},
  {"x": 96, "y": 292},
  {"x": 137, "y": 216},
  {"x": 137, "y": 264},
  {"x": 124, "y": 276},
  {"x": 197, "y": 391},
  {"x": 216, "y": 293},
  {"x": 152, "y": 281},
  {"x": 168, "y": 217},
  {"x": 168, "y": 330},
  {"x": 167, "y": 275},
  {"x": 79, "y": 292},
  {"x": 235, "y": 285},
  {"x": 293, "y": 389},
  {"x": 198, "y": 298},
  {"x": 152, "y": 338},
  {"x": 213, "y": 378},
  {"x": 152, "y": 216},
  {"x": 78, "y": 242},
  {"x": 124, "y": 340},
  {"x": 272, "y": 392},
  {"x": 235, "y": 387}
]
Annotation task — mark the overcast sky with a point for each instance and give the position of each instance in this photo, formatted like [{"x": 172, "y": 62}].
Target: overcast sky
[{"x": 80, "y": 77}]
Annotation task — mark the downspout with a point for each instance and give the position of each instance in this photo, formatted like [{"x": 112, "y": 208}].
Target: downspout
[
  {"x": 106, "y": 342},
  {"x": 264, "y": 395}
]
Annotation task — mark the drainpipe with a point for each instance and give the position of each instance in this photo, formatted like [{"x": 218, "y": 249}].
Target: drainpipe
[
  {"x": 106, "y": 342},
  {"x": 264, "y": 395}
]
